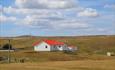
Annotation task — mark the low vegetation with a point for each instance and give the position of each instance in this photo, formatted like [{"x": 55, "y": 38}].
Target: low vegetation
[
  {"x": 91, "y": 54},
  {"x": 62, "y": 65},
  {"x": 85, "y": 44}
]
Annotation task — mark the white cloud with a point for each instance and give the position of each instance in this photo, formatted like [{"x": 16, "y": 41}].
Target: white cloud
[
  {"x": 44, "y": 18},
  {"x": 11, "y": 10},
  {"x": 56, "y": 15},
  {"x": 101, "y": 29},
  {"x": 1, "y": 8},
  {"x": 69, "y": 24},
  {"x": 112, "y": 6},
  {"x": 30, "y": 14},
  {"x": 45, "y": 3},
  {"x": 89, "y": 12},
  {"x": 36, "y": 22},
  {"x": 41, "y": 13},
  {"x": 4, "y": 19},
  {"x": 28, "y": 20}
]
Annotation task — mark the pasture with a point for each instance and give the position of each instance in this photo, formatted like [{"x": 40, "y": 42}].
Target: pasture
[
  {"x": 91, "y": 54},
  {"x": 62, "y": 65}
]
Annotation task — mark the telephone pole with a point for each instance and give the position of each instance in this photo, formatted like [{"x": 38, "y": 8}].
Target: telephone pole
[{"x": 9, "y": 48}]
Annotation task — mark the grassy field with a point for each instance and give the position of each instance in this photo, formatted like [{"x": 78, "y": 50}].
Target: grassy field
[
  {"x": 85, "y": 44},
  {"x": 62, "y": 65},
  {"x": 89, "y": 47},
  {"x": 91, "y": 54},
  {"x": 30, "y": 56}
]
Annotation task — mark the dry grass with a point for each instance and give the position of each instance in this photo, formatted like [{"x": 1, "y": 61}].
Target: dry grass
[
  {"x": 86, "y": 44},
  {"x": 62, "y": 65},
  {"x": 30, "y": 56},
  {"x": 89, "y": 56}
]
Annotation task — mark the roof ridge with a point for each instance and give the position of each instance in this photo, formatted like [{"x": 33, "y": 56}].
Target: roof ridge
[{"x": 50, "y": 42}]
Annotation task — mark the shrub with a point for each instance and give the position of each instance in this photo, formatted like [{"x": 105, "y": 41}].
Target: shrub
[{"x": 7, "y": 46}]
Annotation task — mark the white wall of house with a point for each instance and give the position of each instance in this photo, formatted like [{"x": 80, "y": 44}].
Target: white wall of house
[
  {"x": 65, "y": 47},
  {"x": 42, "y": 47},
  {"x": 60, "y": 47},
  {"x": 57, "y": 47}
]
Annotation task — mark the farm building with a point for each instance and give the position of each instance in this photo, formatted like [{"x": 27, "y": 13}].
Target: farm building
[
  {"x": 51, "y": 45},
  {"x": 72, "y": 48}
]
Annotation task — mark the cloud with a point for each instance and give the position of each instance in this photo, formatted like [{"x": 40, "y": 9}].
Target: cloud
[
  {"x": 111, "y": 6},
  {"x": 1, "y": 8},
  {"x": 67, "y": 16},
  {"x": 44, "y": 4},
  {"x": 16, "y": 11},
  {"x": 4, "y": 19},
  {"x": 44, "y": 14},
  {"x": 69, "y": 24},
  {"x": 88, "y": 12},
  {"x": 41, "y": 13},
  {"x": 45, "y": 18},
  {"x": 41, "y": 23}
]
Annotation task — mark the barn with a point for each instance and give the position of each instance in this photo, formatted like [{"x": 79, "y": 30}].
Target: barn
[{"x": 50, "y": 45}]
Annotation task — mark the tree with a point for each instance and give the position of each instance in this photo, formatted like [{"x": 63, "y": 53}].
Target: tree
[{"x": 7, "y": 46}]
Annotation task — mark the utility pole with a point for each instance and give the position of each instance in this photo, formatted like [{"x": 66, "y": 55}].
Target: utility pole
[{"x": 9, "y": 48}]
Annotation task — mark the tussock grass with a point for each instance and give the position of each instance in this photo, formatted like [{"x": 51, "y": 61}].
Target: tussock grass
[
  {"x": 89, "y": 47},
  {"x": 62, "y": 65}
]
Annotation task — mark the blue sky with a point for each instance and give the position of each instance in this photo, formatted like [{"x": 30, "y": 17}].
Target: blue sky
[{"x": 57, "y": 17}]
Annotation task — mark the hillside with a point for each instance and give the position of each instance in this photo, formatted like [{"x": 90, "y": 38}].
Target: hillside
[
  {"x": 89, "y": 44},
  {"x": 89, "y": 48}
]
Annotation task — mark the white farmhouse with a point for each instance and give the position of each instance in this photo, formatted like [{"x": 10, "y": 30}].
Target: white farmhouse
[{"x": 51, "y": 45}]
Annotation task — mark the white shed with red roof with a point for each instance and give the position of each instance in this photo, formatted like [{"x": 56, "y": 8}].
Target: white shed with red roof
[
  {"x": 72, "y": 48},
  {"x": 49, "y": 45}
]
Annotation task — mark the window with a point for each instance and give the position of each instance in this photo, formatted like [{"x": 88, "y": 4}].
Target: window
[
  {"x": 46, "y": 46},
  {"x": 55, "y": 46}
]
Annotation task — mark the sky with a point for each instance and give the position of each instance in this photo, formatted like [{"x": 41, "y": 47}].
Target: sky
[{"x": 57, "y": 17}]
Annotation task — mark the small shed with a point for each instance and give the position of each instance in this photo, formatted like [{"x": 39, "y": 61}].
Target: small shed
[
  {"x": 110, "y": 54},
  {"x": 72, "y": 48}
]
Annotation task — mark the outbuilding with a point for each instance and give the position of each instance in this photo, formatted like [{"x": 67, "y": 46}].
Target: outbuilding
[{"x": 72, "y": 48}]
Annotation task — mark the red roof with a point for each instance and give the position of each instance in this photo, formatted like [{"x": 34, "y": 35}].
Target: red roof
[
  {"x": 50, "y": 42},
  {"x": 34, "y": 44}
]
